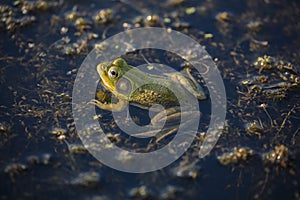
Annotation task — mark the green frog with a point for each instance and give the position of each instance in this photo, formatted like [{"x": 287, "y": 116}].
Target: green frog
[{"x": 132, "y": 86}]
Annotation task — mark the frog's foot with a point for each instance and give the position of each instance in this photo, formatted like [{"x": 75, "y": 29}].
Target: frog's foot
[
  {"x": 119, "y": 106},
  {"x": 165, "y": 134}
]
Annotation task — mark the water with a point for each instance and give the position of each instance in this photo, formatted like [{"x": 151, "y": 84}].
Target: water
[{"x": 37, "y": 76}]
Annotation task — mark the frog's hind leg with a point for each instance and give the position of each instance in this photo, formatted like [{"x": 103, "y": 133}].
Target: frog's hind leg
[
  {"x": 197, "y": 90},
  {"x": 174, "y": 121},
  {"x": 186, "y": 79}
]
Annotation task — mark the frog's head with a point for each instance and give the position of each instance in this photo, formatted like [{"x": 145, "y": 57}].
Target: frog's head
[{"x": 111, "y": 74}]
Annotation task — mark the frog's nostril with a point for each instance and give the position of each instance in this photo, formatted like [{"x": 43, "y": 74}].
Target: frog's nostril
[{"x": 101, "y": 67}]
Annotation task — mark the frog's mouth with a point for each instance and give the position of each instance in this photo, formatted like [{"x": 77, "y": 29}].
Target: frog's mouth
[{"x": 102, "y": 71}]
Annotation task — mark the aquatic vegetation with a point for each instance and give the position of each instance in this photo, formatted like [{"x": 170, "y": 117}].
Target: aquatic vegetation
[
  {"x": 280, "y": 156},
  {"x": 187, "y": 170},
  {"x": 103, "y": 16},
  {"x": 236, "y": 156},
  {"x": 254, "y": 46},
  {"x": 86, "y": 179},
  {"x": 278, "y": 77}
]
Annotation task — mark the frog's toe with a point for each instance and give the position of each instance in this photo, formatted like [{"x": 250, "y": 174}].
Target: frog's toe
[{"x": 96, "y": 103}]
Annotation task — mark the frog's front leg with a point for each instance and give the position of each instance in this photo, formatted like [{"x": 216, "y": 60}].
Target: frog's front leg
[{"x": 119, "y": 106}]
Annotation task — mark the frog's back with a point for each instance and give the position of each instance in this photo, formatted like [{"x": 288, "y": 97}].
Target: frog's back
[{"x": 151, "y": 94}]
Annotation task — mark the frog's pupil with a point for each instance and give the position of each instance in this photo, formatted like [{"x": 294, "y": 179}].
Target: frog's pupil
[{"x": 113, "y": 73}]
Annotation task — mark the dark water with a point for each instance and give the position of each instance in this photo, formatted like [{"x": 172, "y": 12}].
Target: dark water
[{"x": 38, "y": 69}]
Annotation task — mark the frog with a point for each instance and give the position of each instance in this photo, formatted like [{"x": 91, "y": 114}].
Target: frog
[{"x": 135, "y": 87}]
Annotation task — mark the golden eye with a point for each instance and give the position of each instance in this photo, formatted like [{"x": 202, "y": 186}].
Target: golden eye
[{"x": 113, "y": 72}]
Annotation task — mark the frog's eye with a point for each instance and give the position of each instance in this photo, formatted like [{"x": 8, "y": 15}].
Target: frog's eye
[{"x": 113, "y": 72}]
